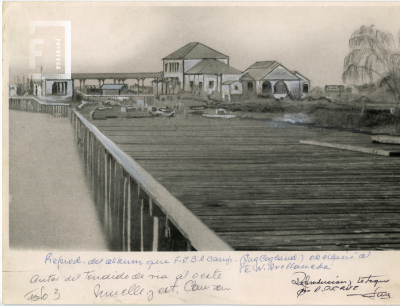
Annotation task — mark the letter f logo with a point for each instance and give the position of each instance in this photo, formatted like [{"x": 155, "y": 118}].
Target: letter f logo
[{"x": 32, "y": 52}]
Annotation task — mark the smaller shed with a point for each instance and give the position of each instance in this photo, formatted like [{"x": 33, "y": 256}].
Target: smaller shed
[
  {"x": 113, "y": 89},
  {"x": 229, "y": 88}
]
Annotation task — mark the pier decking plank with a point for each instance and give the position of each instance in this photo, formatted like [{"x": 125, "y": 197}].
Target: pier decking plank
[{"x": 259, "y": 189}]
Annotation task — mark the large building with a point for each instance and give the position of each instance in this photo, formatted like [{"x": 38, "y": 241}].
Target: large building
[{"x": 196, "y": 67}]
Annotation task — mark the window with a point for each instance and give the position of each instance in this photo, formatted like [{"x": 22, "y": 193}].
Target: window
[
  {"x": 166, "y": 67},
  {"x": 170, "y": 67},
  {"x": 177, "y": 66},
  {"x": 250, "y": 86},
  {"x": 236, "y": 88},
  {"x": 211, "y": 84}
]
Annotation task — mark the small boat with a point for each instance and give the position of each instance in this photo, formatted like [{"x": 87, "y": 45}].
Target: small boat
[
  {"x": 102, "y": 113},
  {"x": 161, "y": 112},
  {"x": 219, "y": 113},
  {"x": 80, "y": 106},
  {"x": 198, "y": 107},
  {"x": 138, "y": 112}
]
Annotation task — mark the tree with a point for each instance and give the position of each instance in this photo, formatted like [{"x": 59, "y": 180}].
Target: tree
[{"x": 374, "y": 56}]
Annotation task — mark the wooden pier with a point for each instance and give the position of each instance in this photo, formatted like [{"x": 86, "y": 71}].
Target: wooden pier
[
  {"x": 34, "y": 105},
  {"x": 254, "y": 185},
  {"x": 139, "y": 214},
  {"x": 208, "y": 184}
]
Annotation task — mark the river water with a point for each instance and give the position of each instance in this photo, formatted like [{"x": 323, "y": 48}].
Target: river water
[{"x": 51, "y": 206}]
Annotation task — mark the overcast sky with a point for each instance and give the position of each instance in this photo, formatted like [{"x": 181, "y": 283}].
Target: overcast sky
[{"x": 128, "y": 37}]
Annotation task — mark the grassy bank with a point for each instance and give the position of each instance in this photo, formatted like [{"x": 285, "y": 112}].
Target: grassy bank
[{"x": 326, "y": 114}]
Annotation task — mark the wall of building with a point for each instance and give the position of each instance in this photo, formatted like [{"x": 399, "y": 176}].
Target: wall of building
[
  {"x": 110, "y": 92},
  {"x": 49, "y": 87},
  {"x": 199, "y": 81},
  {"x": 245, "y": 89},
  {"x": 292, "y": 86},
  {"x": 232, "y": 89},
  {"x": 230, "y": 77},
  {"x": 211, "y": 78},
  {"x": 174, "y": 74},
  {"x": 236, "y": 88},
  {"x": 187, "y": 83}
]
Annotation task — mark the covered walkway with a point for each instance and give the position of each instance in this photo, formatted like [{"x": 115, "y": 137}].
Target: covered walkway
[{"x": 116, "y": 77}]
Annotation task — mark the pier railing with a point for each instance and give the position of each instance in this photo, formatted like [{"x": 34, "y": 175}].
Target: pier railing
[
  {"x": 137, "y": 212},
  {"x": 34, "y": 105},
  {"x": 149, "y": 99}
]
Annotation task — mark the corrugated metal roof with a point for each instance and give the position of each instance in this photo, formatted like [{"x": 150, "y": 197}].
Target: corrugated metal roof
[
  {"x": 112, "y": 86},
  {"x": 212, "y": 66},
  {"x": 260, "y": 70},
  {"x": 195, "y": 50},
  {"x": 264, "y": 64},
  {"x": 300, "y": 76}
]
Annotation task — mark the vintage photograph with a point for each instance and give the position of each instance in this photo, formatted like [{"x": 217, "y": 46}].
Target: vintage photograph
[{"x": 192, "y": 127}]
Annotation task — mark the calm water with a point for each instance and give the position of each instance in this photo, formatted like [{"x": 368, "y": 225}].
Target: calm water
[{"x": 51, "y": 207}]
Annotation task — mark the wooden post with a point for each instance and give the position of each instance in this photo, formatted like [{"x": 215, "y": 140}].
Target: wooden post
[
  {"x": 110, "y": 196},
  {"x": 134, "y": 216},
  {"x": 159, "y": 227},
  {"x": 146, "y": 226},
  {"x": 119, "y": 202},
  {"x": 124, "y": 215},
  {"x": 128, "y": 216}
]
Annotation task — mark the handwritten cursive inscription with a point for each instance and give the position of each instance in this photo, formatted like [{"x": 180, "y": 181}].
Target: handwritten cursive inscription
[
  {"x": 376, "y": 294},
  {"x": 304, "y": 281},
  {"x": 38, "y": 295}
]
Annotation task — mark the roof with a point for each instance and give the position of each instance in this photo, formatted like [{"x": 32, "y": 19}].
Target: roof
[
  {"x": 112, "y": 86},
  {"x": 246, "y": 77},
  {"x": 300, "y": 75},
  {"x": 265, "y": 64},
  {"x": 195, "y": 50},
  {"x": 212, "y": 66},
  {"x": 112, "y": 75},
  {"x": 260, "y": 70},
  {"x": 230, "y": 82}
]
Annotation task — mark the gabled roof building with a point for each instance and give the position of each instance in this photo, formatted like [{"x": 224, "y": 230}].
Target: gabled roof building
[
  {"x": 196, "y": 67},
  {"x": 272, "y": 78}
]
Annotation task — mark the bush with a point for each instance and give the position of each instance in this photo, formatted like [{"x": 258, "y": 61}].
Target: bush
[
  {"x": 215, "y": 97},
  {"x": 317, "y": 93}
]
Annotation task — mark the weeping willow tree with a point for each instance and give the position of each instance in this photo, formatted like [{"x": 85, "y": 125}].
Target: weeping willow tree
[{"x": 375, "y": 58}]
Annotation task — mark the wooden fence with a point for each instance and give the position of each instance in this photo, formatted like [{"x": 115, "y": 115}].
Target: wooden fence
[
  {"x": 137, "y": 212},
  {"x": 149, "y": 99},
  {"x": 31, "y": 104}
]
